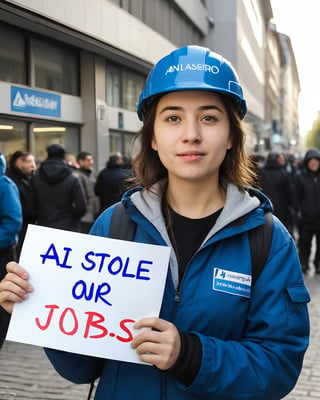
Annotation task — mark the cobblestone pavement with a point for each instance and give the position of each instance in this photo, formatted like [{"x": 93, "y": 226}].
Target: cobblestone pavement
[
  {"x": 308, "y": 386},
  {"x": 26, "y": 374}
]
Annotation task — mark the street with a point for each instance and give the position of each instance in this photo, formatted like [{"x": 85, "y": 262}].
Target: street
[{"x": 26, "y": 374}]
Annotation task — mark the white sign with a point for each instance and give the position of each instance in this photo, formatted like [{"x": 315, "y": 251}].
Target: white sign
[{"x": 88, "y": 292}]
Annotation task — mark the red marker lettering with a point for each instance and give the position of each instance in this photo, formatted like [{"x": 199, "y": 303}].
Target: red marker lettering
[
  {"x": 48, "y": 321},
  {"x": 95, "y": 324},
  {"x": 126, "y": 330},
  {"x": 75, "y": 320}
]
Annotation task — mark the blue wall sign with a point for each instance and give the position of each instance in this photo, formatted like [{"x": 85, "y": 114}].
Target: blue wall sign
[{"x": 35, "y": 102}]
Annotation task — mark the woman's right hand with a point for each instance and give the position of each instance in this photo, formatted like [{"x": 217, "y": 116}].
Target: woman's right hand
[{"x": 14, "y": 287}]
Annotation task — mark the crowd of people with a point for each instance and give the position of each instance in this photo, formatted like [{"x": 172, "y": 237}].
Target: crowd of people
[
  {"x": 219, "y": 333},
  {"x": 293, "y": 186},
  {"x": 65, "y": 195},
  {"x": 65, "y": 192}
]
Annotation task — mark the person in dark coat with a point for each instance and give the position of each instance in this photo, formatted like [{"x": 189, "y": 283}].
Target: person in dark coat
[
  {"x": 275, "y": 183},
  {"x": 10, "y": 225},
  {"x": 60, "y": 197},
  {"x": 307, "y": 207},
  {"x": 21, "y": 169},
  {"x": 109, "y": 184},
  {"x": 87, "y": 178}
]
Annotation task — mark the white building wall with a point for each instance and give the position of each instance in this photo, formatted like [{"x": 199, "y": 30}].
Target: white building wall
[{"x": 105, "y": 21}]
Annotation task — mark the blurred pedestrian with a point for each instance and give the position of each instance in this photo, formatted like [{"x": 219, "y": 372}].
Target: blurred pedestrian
[
  {"x": 110, "y": 181},
  {"x": 127, "y": 162},
  {"x": 10, "y": 226},
  {"x": 292, "y": 166},
  {"x": 71, "y": 160},
  {"x": 87, "y": 178},
  {"x": 257, "y": 162},
  {"x": 307, "y": 207},
  {"x": 275, "y": 183},
  {"x": 22, "y": 167},
  {"x": 60, "y": 198}
]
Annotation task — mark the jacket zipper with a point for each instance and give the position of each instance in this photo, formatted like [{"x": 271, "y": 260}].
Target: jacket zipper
[{"x": 177, "y": 298}]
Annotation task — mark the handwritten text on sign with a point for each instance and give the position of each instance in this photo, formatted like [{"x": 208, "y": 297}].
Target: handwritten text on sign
[{"x": 88, "y": 292}]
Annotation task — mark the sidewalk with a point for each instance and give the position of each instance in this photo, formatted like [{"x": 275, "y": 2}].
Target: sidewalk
[
  {"x": 26, "y": 374},
  {"x": 308, "y": 386}
]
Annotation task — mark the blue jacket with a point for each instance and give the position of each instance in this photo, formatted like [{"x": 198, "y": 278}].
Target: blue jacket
[
  {"x": 10, "y": 209},
  {"x": 252, "y": 348}
]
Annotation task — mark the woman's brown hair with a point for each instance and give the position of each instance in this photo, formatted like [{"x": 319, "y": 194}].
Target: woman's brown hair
[{"x": 236, "y": 168}]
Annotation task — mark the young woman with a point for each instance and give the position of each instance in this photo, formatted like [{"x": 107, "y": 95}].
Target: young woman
[{"x": 190, "y": 193}]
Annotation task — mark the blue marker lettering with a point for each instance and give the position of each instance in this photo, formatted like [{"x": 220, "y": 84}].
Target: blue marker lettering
[
  {"x": 140, "y": 270},
  {"x": 83, "y": 290},
  {"x": 52, "y": 254},
  {"x": 125, "y": 273}
]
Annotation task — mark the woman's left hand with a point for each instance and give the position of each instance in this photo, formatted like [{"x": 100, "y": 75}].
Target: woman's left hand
[{"x": 159, "y": 346}]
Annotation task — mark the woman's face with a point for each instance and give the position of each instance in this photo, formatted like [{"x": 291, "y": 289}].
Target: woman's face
[{"x": 191, "y": 135}]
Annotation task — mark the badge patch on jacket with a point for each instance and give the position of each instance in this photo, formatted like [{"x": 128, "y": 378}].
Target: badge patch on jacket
[{"x": 231, "y": 282}]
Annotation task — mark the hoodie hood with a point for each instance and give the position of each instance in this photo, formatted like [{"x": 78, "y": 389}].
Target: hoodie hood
[
  {"x": 311, "y": 153},
  {"x": 54, "y": 171},
  {"x": 238, "y": 204},
  {"x": 272, "y": 161},
  {"x": 3, "y": 164}
]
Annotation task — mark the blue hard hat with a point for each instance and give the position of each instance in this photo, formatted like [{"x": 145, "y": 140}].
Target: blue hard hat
[{"x": 192, "y": 68}]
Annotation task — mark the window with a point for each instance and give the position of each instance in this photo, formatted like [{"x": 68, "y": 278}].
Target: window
[
  {"x": 113, "y": 86},
  {"x": 121, "y": 142},
  {"x": 13, "y": 136},
  {"x": 123, "y": 87},
  {"x": 51, "y": 66},
  {"x": 166, "y": 18},
  {"x": 55, "y": 68},
  {"x": 132, "y": 87},
  {"x": 46, "y": 134},
  {"x": 12, "y": 56}
]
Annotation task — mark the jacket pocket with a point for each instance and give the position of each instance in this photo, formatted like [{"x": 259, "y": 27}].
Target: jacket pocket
[
  {"x": 298, "y": 294},
  {"x": 298, "y": 316}
]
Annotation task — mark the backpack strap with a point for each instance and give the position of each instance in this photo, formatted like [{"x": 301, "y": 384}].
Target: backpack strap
[
  {"x": 121, "y": 226},
  {"x": 91, "y": 390},
  {"x": 260, "y": 241}
]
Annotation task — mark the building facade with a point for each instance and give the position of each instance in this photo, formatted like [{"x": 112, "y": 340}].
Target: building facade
[{"x": 71, "y": 71}]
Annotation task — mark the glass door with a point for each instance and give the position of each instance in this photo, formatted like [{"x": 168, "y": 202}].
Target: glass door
[{"x": 13, "y": 136}]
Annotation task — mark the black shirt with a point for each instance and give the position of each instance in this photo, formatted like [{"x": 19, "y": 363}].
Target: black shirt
[{"x": 189, "y": 233}]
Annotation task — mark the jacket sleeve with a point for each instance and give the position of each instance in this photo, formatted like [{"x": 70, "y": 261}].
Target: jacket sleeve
[
  {"x": 10, "y": 213},
  {"x": 79, "y": 198},
  {"x": 87, "y": 368},
  {"x": 267, "y": 362}
]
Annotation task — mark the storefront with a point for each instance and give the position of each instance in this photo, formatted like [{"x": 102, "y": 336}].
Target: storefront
[
  {"x": 31, "y": 119},
  {"x": 58, "y": 85}
]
